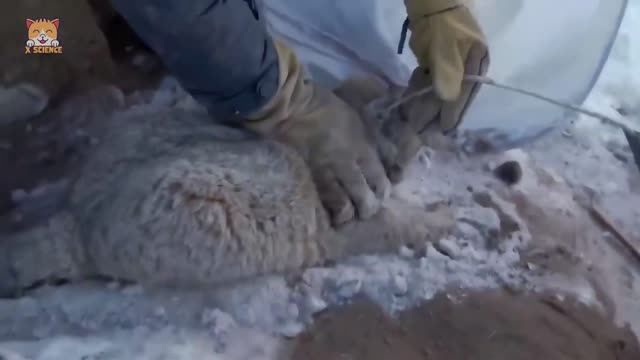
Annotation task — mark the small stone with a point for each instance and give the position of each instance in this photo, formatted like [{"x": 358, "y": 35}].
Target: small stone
[
  {"x": 453, "y": 299},
  {"x": 160, "y": 312},
  {"x": 480, "y": 145},
  {"x": 293, "y": 311},
  {"x": 449, "y": 248},
  {"x": 139, "y": 60},
  {"x": 20, "y": 103},
  {"x": 489, "y": 166},
  {"x": 349, "y": 289},
  {"x": 17, "y": 217},
  {"x": 509, "y": 172},
  {"x": 315, "y": 304},
  {"x": 133, "y": 290},
  {"x": 483, "y": 219},
  {"x": 406, "y": 252},
  {"x": 291, "y": 330},
  {"x": 467, "y": 231},
  {"x": 421, "y": 253},
  {"x": 18, "y": 195},
  {"x": 219, "y": 321},
  {"x": 45, "y": 158},
  {"x": 432, "y": 254},
  {"x": 400, "y": 285},
  {"x": 8, "y": 355},
  {"x": 551, "y": 175},
  {"x": 424, "y": 159},
  {"x": 27, "y": 301},
  {"x": 315, "y": 279}
]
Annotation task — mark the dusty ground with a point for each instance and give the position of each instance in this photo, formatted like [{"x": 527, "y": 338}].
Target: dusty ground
[
  {"x": 98, "y": 48},
  {"x": 486, "y": 325}
]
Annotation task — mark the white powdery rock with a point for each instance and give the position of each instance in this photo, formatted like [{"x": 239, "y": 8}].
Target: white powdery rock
[
  {"x": 218, "y": 321},
  {"x": 399, "y": 282},
  {"x": 143, "y": 345},
  {"x": 485, "y": 220},
  {"x": 21, "y": 102},
  {"x": 267, "y": 304}
]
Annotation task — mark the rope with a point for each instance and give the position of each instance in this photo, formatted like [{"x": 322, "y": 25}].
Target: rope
[{"x": 489, "y": 81}]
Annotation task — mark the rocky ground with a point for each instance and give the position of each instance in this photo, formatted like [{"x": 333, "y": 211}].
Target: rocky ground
[{"x": 98, "y": 48}]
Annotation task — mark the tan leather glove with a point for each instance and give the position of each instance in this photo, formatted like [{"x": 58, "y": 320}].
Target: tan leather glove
[
  {"x": 330, "y": 136},
  {"x": 448, "y": 43}
]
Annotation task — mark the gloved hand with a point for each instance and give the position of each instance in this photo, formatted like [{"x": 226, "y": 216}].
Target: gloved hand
[
  {"x": 448, "y": 44},
  {"x": 330, "y": 136}
]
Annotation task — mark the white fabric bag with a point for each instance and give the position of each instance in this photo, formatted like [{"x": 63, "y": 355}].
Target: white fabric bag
[{"x": 554, "y": 47}]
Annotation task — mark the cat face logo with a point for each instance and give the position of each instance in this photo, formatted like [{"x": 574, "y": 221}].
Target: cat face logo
[{"x": 43, "y": 37}]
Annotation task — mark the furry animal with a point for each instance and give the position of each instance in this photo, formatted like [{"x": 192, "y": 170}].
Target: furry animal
[
  {"x": 169, "y": 198},
  {"x": 43, "y": 32}
]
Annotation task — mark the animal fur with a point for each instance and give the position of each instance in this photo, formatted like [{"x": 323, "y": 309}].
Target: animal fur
[{"x": 169, "y": 198}]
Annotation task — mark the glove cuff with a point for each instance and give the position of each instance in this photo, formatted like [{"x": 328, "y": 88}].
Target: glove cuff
[
  {"x": 421, "y": 8},
  {"x": 294, "y": 94}
]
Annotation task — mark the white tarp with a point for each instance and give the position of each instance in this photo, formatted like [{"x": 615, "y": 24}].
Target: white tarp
[{"x": 555, "y": 47}]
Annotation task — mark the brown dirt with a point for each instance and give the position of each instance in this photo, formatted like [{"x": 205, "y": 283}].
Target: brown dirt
[
  {"x": 85, "y": 56},
  {"x": 487, "y": 325},
  {"x": 98, "y": 48}
]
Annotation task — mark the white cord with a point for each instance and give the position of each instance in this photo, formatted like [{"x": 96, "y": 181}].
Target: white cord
[{"x": 489, "y": 81}]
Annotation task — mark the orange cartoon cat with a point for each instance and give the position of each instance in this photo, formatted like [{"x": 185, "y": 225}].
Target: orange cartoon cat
[{"x": 43, "y": 32}]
